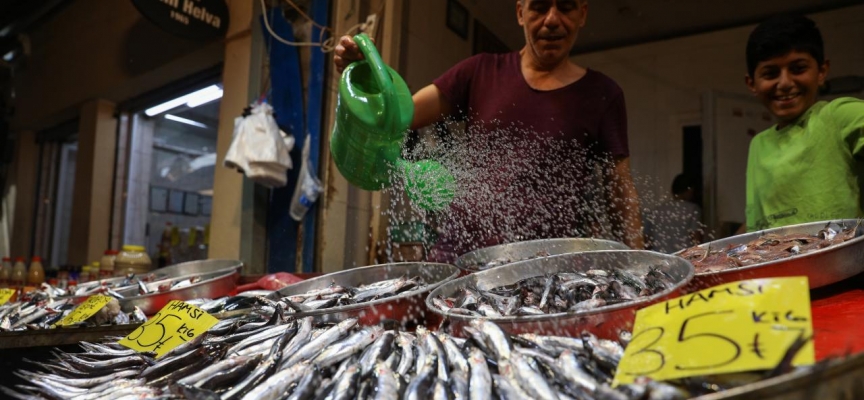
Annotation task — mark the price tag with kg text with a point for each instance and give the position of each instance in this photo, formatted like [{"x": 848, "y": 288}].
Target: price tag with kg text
[
  {"x": 740, "y": 326},
  {"x": 175, "y": 324},
  {"x": 85, "y": 310},
  {"x": 5, "y": 295}
]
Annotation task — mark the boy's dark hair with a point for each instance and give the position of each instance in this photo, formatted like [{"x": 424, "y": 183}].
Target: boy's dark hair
[
  {"x": 782, "y": 34},
  {"x": 682, "y": 182}
]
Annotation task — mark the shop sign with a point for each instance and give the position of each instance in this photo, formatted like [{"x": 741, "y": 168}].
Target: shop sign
[
  {"x": 85, "y": 310},
  {"x": 192, "y": 19},
  {"x": 173, "y": 325},
  {"x": 741, "y": 326}
]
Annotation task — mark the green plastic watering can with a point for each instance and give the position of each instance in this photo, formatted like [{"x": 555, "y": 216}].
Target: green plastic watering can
[{"x": 373, "y": 113}]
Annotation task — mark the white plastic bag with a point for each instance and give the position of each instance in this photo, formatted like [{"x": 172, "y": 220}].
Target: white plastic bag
[
  {"x": 235, "y": 157},
  {"x": 259, "y": 148},
  {"x": 308, "y": 186}
]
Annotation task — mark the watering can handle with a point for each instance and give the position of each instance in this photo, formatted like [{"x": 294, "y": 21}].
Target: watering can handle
[{"x": 381, "y": 76}]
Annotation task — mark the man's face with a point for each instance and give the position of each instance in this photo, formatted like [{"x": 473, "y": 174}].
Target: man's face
[
  {"x": 787, "y": 85},
  {"x": 551, "y": 26}
]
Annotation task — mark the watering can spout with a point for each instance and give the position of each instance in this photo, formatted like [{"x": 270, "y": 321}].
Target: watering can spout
[{"x": 374, "y": 110}]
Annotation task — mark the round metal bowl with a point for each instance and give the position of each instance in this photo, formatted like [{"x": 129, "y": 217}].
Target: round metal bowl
[
  {"x": 192, "y": 268},
  {"x": 519, "y": 251},
  {"x": 219, "y": 279},
  {"x": 125, "y": 291},
  {"x": 821, "y": 267},
  {"x": 606, "y": 322},
  {"x": 406, "y": 308}
]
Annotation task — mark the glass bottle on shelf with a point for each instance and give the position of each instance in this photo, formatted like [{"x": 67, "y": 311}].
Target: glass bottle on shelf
[
  {"x": 36, "y": 273},
  {"x": 19, "y": 273}
]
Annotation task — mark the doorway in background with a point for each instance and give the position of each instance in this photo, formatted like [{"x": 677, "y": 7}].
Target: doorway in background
[
  {"x": 170, "y": 176},
  {"x": 692, "y": 158}
]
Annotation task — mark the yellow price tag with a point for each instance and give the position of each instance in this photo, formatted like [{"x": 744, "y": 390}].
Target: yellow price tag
[
  {"x": 85, "y": 310},
  {"x": 173, "y": 325},
  {"x": 5, "y": 295},
  {"x": 740, "y": 326}
]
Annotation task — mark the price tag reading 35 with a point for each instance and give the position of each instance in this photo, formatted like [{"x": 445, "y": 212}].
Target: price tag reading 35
[
  {"x": 740, "y": 326},
  {"x": 175, "y": 324}
]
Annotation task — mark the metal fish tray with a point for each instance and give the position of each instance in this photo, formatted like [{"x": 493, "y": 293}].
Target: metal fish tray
[
  {"x": 838, "y": 378},
  {"x": 126, "y": 291},
  {"x": 822, "y": 267},
  {"x": 61, "y": 336},
  {"x": 219, "y": 279},
  {"x": 193, "y": 267},
  {"x": 519, "y": 251},
  {"x": 406, "y": 308},
  {"x": 606, "y": 322}
]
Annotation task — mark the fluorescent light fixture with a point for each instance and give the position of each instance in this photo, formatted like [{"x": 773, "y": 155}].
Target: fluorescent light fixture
[
  {"x": 184, "y": 120},
  {"x": 205, "y": 98},
  {"x": 194, "y": 97}
]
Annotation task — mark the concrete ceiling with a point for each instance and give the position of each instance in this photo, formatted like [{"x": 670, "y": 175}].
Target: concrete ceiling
[{"x": 618, "y": 23}]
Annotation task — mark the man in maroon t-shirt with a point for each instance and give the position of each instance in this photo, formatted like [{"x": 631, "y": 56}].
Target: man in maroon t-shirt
[{"x": 539, "y": 129}]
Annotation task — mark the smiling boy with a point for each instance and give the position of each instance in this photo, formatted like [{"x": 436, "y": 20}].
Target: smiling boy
[{"x": 808, "y": 166}]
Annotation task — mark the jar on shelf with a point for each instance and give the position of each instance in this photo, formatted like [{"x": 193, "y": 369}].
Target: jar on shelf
[{"x": 132, "y": 259}]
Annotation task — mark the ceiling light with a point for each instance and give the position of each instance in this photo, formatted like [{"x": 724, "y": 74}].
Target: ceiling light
[
  {"x": 193, "y": 97},
  {"x": 185, "y": 121},
  {"x": 205, "y": 98}
]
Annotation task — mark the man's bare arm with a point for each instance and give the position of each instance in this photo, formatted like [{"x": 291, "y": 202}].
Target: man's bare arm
[{"x": 429, "y": 106}]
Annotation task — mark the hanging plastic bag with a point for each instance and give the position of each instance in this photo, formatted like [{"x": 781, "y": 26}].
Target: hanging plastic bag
[
  {"x": 260, "y": 149},
  {"x": 266, "y": 148},
  {"x": 308, "y": 186},
  {"x": 235, "y": 157}
]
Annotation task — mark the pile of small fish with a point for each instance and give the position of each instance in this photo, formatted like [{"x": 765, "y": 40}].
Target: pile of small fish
[
  {"x": 557, "y": 293},
  {"x": 278, "y": 358},
  {"x": 503, "y": 260},
  {"x": 114, "y": 287},
  {"x": 42, "y": 312},
  {"x": 120, "y": 287},
  {"x": 765, "y": 248},
  {"x": 338, "y": 295}
]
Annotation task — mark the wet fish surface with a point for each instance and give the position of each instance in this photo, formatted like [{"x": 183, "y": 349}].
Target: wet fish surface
[
  {"x": 557, "y": 293},
  {"x": 305, "y": 359},
  {"x": 766, "y": 248}
]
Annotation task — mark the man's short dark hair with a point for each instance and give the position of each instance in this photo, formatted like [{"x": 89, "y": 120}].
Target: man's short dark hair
[
  {"x": 682, "y": 182},
  {"x": 782, "y": 34}
]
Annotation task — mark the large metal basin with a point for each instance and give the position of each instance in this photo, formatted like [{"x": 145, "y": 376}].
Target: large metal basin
[
  {"x": 822, "y": 267},
  {"x": 606, "y": 322},
  {"x": 407, "y": 309},
  {"x": 519, "y": 251},
  {"x": 126, "y": 291},
  {"x": 192, "y": 268},
  {"x": 219, "y": 279},
  {"x": 836, "y": 379}
]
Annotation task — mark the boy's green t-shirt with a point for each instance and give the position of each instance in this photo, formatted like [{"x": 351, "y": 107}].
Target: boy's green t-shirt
[{"x": 809, "y": 170}]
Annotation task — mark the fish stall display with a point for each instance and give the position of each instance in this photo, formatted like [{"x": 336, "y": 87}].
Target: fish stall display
[
  {"x": 765, "y": 248},
  {"x": 557, "y": 293},
  {"x": 120, "y": 287},
  {"x": 563, "y": 294},
  {"x": 339, "y": 295},
  {"x": 496, "y": 256},
  {"x": 376, "y": 294},
  {"x": 284, "y": 357},
  {"x": 40, "y": 311}
]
